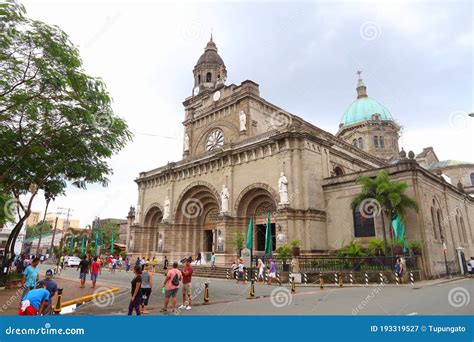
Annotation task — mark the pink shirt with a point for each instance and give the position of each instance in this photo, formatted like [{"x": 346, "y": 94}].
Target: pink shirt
[{"x": 171, "y": 273}]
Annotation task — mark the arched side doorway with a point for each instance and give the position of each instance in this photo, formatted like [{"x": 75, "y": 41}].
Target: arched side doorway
[
  {"x": 196, "y": 220},
  {"x": 149, "y": 236},
  {"x": 257, "y": 202}
]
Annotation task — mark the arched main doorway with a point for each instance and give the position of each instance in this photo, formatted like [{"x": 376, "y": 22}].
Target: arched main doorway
[
  {"x": 196, "y": 219},
  {"x": 257, "y": 202},
  {"x": 150, "y": 234}
]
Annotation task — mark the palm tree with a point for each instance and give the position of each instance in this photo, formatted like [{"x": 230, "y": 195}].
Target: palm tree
[{"x": 381, "y": 196}]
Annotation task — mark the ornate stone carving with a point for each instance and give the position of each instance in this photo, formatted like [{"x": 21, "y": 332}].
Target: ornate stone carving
[
  {"x": 225, "y": 195},
  {"x": 166, "y": 210},
  {"x": 283, "y": 189},
  {"x": 186, "y": 142},
  {"x": 243, "y": 121}
]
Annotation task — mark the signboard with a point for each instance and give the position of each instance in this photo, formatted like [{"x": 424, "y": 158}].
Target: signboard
[{"x": 245, "y": 255}]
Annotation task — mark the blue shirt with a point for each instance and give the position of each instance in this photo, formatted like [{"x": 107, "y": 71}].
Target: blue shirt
[
  {"x": 51, "y": 286},
  {"x": 31, "y": 274},
  {"x": 36, "y": 297}
]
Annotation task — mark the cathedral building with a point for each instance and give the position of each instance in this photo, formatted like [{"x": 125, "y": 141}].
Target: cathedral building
[{"x": 246, "y": 157}]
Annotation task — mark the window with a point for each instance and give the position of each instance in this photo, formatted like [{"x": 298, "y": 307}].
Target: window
[
  {"x": 381, "y": 142},
  {"x": 472, "y": 178},
  {"x": 433, "y": 221},
  {"x": 463, "y": 229},
  {"x": 354, "y": 142},
  {"x": 208, "y": 77},
  {"x": 363, "y": 226},
  {"x": 440, "y": 223},
  {"x": 338, "y": 171},
  {"x": 361, "y": 143},
  {"x": 199, "y": 79},
  {"x": 376, "y": 141}
]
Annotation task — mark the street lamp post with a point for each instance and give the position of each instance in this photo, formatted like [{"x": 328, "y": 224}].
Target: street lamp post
[{"x": 41, "y": 227}]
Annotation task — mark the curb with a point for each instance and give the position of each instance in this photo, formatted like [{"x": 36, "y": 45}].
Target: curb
[{"x": 88, "y": 297}]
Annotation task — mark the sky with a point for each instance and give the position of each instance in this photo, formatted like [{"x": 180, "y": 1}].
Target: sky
[{"x": 416, "y": 59}]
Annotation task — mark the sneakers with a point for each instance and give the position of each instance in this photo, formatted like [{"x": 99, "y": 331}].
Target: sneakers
[
  {"x": 188, "y": 308},
  {"x": 163, "y": 310},
  {"x": 182, "y": 307}
]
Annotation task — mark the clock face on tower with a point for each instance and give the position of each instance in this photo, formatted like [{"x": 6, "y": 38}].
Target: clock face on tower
[
  {"x": 215, "y": 140},
  {"x": 216, "y": 96},
  {"x": 196, "y": 90}
]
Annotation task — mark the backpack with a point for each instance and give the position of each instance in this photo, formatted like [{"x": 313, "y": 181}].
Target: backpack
[{"x": 175, "y": 280}]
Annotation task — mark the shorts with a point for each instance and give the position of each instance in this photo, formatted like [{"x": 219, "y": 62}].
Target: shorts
[
  {"x": 171, "y": 293},
  {"x": 94, "y": 276},
  {"x": 82, "y": 275},
  {"x": 187, "y": 287},
  {"x": 272, "y": 274},
  {"x": 241, "y": 275}
]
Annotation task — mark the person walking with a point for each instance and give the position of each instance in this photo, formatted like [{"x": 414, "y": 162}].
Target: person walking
[
  {"x": 137, "y": 263},
  {"x": 470, "y": 266},
  {"x": 34, "y": 302},
  {"x": 83, "y": 269},
  {"x": 213, "y": 261},
  {"x": 165, "y": 263},
  {"x": 154, "y": 262},
  {"x": 273, "y": 271},
  {"x": 30, "y": 277},
  {"x": 147, "y": 285},
  {"x": 52, "y": 288},
  {"x": 127, "y": 264},
  {"x": 136, "y": 292},
  {"x": 399, "y": 269},
  {"x": 261, "y": 271},
  {"x": 198, "y": 258},
  {"x": 95, "y": 269},
  {"x": 171, "y": 285},
  {"x": 235, "y": 270},
  {"x": 241, "y": 272},
  {"x": 187, "y": 288}
]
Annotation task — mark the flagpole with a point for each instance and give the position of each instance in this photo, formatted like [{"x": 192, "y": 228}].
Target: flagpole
[{"x": 251, "y": 251}]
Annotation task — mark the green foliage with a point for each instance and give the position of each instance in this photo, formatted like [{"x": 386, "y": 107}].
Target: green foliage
[
  {"x": 284, "y": 252},
  {"x": 375, "y": 247},
  {"x": 295, "y": 243},
  {"x": 415, "y": 246},
  {"x": 238, "y": 241},
  {"x": 57, "y": 123},
  {"x": 396, "y": 243},
  {"x": 353, "y": 250},
  {"x": 34, "y": 230},
  {"x": 123, "y": 254}
]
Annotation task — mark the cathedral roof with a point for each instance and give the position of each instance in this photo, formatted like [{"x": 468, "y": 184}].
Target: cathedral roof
[
  {"x": 447, "y": 163},
  {"x": 210, "y": 55},
  {"x": 364, "y": 107}
]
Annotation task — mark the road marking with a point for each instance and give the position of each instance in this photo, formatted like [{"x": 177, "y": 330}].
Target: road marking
[{"x": 413, "y": 314}]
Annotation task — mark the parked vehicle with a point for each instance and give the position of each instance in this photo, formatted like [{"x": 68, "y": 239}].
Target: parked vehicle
[{"x": 73, "y": 261}]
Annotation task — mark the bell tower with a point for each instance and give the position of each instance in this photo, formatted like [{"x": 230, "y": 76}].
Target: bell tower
[{"x": 209, "y": 72}]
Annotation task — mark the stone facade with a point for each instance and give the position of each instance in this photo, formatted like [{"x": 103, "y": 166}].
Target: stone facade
[{"x": 236, "y": 141}]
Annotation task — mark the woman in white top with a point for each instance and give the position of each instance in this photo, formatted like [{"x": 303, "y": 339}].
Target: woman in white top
[{"x": 261, "y": 270}]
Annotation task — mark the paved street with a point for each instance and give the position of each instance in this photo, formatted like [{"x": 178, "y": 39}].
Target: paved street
[{"x": 229, "y": 298}]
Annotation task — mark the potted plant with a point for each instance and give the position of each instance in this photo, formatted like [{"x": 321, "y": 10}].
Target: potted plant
[
  {"x": 375, "y": 247},
  {"x": 415, "y": 247},
  {"x": 295, "y": 247},
  {"x": 284, "y": 253},
  {"x": 238, "y": 242},
  {"x": 397, "y": 247},
  {"x": 352, "y": 250}
]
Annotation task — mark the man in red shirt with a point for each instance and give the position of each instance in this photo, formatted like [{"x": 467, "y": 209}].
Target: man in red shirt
[
  {"x": 95, "y": 268},
  {"x": 187, "y": 276}
]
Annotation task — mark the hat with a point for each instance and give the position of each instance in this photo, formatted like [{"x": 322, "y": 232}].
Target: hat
[{"x": 49, "y": 273}]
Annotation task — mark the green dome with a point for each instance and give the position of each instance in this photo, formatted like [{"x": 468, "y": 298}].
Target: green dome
[{"x": 362, "y": 109}]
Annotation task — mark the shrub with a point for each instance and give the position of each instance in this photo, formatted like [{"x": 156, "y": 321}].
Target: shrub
[{"x": 352, "y": 250}]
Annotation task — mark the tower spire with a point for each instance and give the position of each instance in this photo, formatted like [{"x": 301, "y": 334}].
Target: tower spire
[{"x": 361, "y": 88}]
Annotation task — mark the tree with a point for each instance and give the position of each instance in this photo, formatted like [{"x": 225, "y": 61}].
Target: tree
[
  {"x": 238, "y": 242},
  {"x": 34, "y": 230},
  {"x": 57, "y": 125},
  {"x": 381, "y": 196}
]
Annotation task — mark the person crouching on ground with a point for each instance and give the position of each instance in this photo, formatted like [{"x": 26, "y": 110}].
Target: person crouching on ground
[
  {"x": 34, "y": 301},
  {"x": 171, "y": 285},
  {"x": 147, "y": 285},
  {"x": 52, "y": 288},
  {"x": 136, "y": 291}
]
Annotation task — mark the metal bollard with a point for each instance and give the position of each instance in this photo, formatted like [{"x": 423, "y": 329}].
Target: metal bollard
[
  {"x": 381, "y": 278},
  {"x": 397, "y": 280},
  {"x": 341, "y": 280},
  {"x": 351, "y": 278},
  {"x": 256, "y": 276},
  {"x": 321, "y": 281},
  {"x": 293, "y": 285},
  {"x": 366, "y": 279},
  {"x": 57, "y": 307},
  {"x": 252, "y": 289},
  {"x": 336, "y": 279},
  {"x": 227, "y": 274},
  {"x": 412, "y": 279},
  {"x": 278, "y": 278},
  {"x": 265, "y": 276},
  {"x": 206, "y": 293},
  {"x": 305, "y": 278},
  {"x": 246, "y": 275}
]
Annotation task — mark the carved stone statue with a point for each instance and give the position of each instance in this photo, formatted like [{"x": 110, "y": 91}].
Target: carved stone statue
[
  {"x": 243, "y": 121},
  {"x": 225, "y": 195},
  {"x": 166, "y": 210},
  {"x": 283, "y": 189},
  {"x": 186, "y": 142},
  {"x": 138, "y": 210}
]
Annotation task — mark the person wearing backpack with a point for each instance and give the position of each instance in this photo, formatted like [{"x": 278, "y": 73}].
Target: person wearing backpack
[{"x": 171, "y": 285}]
